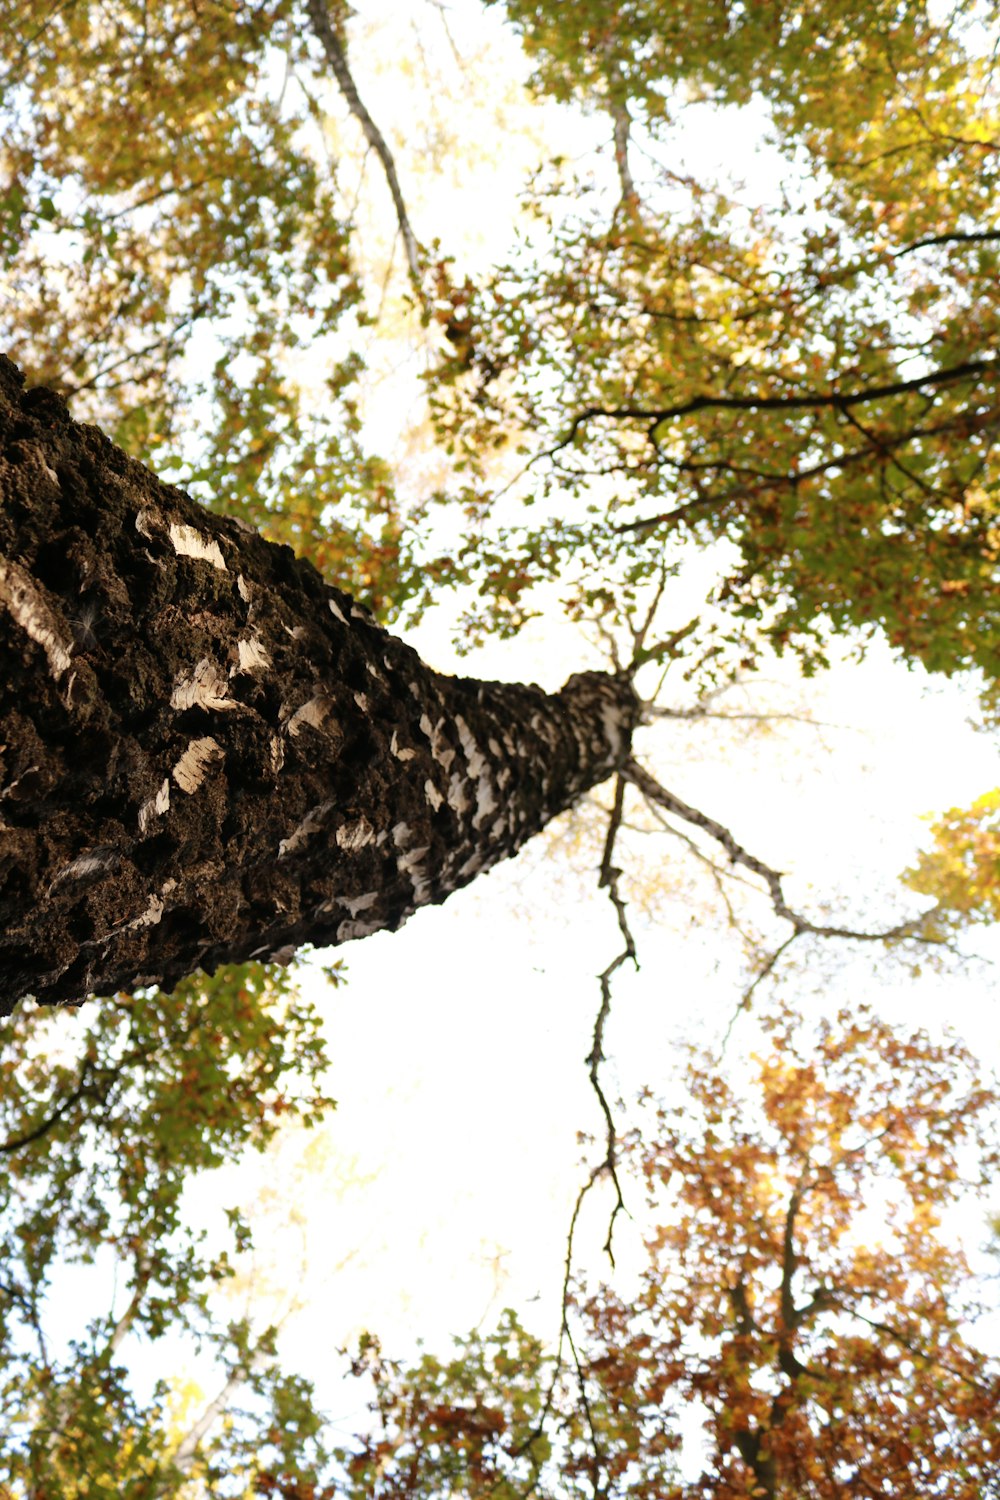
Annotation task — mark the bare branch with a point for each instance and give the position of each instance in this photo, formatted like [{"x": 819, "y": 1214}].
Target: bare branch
[
  {"x": 128, "y": 1317},
  {"x": 659, "y": 796},
  {"x": 978, "y": 237},
  {"x": 622, "y": 123},
  {"x": 911, "y": 1345},
  {"x": 187, "y": 1451},
  {"x": 966, "y": 422},
  {"x": 324, "y": 28},
  {"x": 812, "y": 401},
  {"x": 652, "y": 711},
  {"x": 608, "y": 880}
]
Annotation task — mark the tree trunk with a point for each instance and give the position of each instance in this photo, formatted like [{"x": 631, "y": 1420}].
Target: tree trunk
[{"x": 209, "y": 754}]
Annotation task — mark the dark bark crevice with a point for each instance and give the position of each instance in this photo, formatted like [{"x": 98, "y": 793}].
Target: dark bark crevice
[{"x": 208, "y": 753}]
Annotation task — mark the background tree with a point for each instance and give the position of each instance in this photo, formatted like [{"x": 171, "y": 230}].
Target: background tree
[
  {"x": 104, "y": 1125},
  {"x": 803, "y": 1303}
]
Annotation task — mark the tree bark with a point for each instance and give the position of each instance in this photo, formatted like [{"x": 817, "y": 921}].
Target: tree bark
[{"x": 209, "y": 754}]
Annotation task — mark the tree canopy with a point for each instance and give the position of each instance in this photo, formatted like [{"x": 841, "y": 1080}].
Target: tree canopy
[{"x": 774, "y": 372}]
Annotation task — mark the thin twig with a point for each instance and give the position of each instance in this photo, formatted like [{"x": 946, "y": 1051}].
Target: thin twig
[
  {"x": 607, "y": 880},
  {"x": 746, "y": 999}
]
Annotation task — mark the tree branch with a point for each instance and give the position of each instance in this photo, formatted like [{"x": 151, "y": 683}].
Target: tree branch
[
  {"x": 978, "y": 237},
  {"x": 325, "y": 31},
  {"x": 622, "y": 123},
  {"x": 15, "y": 1143},
  {"x": 609, "y": 877},
  {"x": 791, "y": 479},
  {"x": 660, "y": 797},
  {"x": 814, "y": 401},
  {"x": 187, "y": 1451}
]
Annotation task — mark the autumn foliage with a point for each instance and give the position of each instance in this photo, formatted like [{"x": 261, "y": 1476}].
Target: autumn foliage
[{"x": 804, "y": 1326}]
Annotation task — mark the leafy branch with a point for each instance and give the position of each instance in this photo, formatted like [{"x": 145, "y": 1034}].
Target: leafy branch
[{"x": 811, "y": 401}]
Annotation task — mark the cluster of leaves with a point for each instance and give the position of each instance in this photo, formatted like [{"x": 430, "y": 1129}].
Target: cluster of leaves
[
  {"x": 106, "y": 1116},
  {"x": 803, "y": 1304},
  {"x": 803, "y": 1289},
  {"x": 803, "y": 369},
  {"x": 961, "y": 870}
]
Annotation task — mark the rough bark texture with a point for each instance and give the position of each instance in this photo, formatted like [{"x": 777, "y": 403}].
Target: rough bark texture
[{"x": 209, "y": 754}]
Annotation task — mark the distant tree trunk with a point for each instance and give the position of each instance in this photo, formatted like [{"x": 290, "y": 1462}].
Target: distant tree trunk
[{"x": 209, "y": 754}]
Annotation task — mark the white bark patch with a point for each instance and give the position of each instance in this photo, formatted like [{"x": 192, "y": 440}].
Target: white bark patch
[
  {"x": 362, "y": 701},
  {"x": 440, "y": 749},
  {"x": 479, "y": 771},
  {"x": 354, "y": 836},
  {"x": 154, "y": 807},
  {"x": 84, "y": 867},
  {"x": 337, "y": 612},
  {"x": 432, "y": 794},
  {"x": 354, "y": 904},
  {"x": 12, "y": 786},
  {"x": 411, "y": 865},
  {"x": 269, "y": 955},
  {"x": 152, "y": 914},
  {"x": 472, "y": 866},
  {"x": 145, "y": 524},
  {"x": 458, "y": 796},
  {"x": 155, "y": 907},
  {"x": 349, "y": 930},
  {"x": 23, "y": 601},
  {"x": 244, "y": 589},
  {"x": 474, "y": 757},
  {"x": 314, "y": 713},
  {"x": 401, "y": 835},
  {"x": 190, "y": 543},
  {"x": 311, "y": 823},
  {"x": 612, "y": 732},
  {"x": 192, "y": 768},
  {"x": 394, "y": 749},
  {"x": 205, "y": 687},
  {"x": 277, "y": 754},
  {"x": 253, "y": 655},
  {"x": 486, "y": 802}
]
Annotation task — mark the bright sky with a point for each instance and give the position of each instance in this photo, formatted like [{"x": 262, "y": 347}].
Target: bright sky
[{"x": 441, "y": 1189}]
